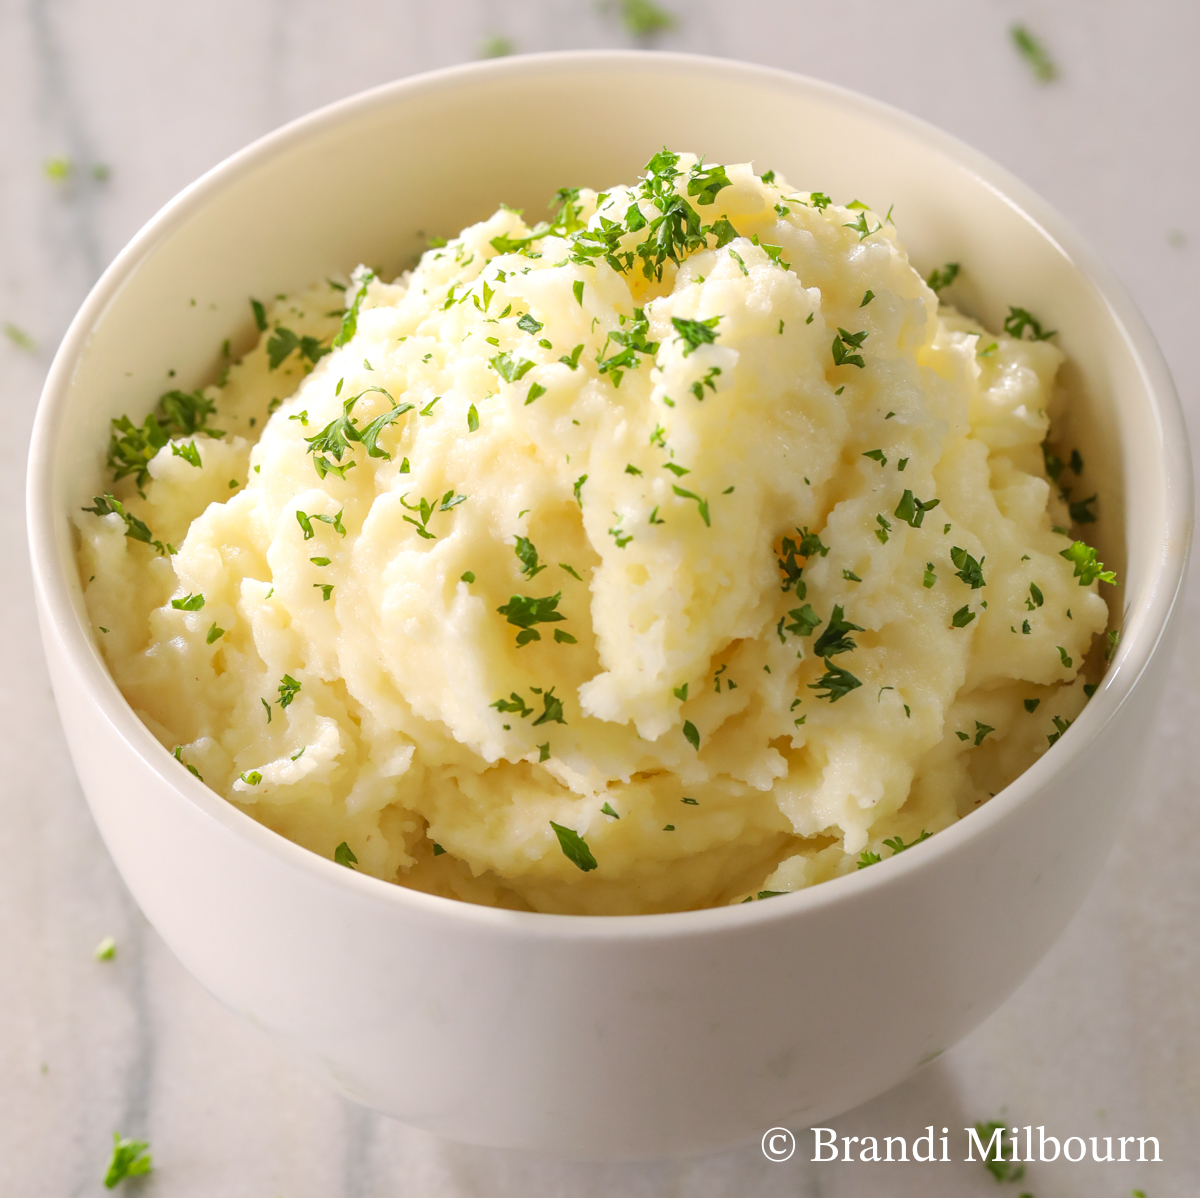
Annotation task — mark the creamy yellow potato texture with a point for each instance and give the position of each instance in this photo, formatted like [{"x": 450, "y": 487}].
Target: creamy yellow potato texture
[{"x": 676, "y": 552}]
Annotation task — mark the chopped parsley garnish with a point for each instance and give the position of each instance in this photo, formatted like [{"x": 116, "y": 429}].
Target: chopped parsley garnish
[
  {"x": 867, "y": 298},
  {"x": 981, "y": 730},
  {"x": 530, "y": 323},
  {"x": 1031, "y": 705},
  {"x": 344, "y": 855},
  {"x": 188, "y": 603},
  {"x": 177, "y": 753},
  {"x": 578, "y": 485},
  {"x": 967, "y": 568},
  {"x": 843, "y": 342},
  {"x": 284, "y": 342},
  {"x": 191, "y": 454},
  {"x": 105, "y": 950},
  {"x": 289, "y": 688},
  {"x": 1020, "y": 319},
  {"x": 804, "y": 621},
  {"x": 882, "y": 531},
  {"x": 572, "y": 360},
  {"x": 544, "y": 752},
  {"x": 473, "y": 419},
  {"x": 621, "y": 537},
  {"x": 350, "y": 319},
  {"x": 1034, "y": 53},
  {"x": 1036, "y": 599},
  {"x": 607, "y": 810},
  {"x": 536, "y": 391},
  {"x": 850, "y": 576},
  {"x": 513, "y": 703},
  {"x": 574, "y": 847},
  {"x": 835, "y": 683},
  {"x": 897, "y": 845},
  {"x": 326, "y": 589},
  {"x": 1081, "y": 510},
  {"x": 1087, "y": 567},
  {"x": 943, "y": 277},
  {"x": 577, "y": 291},
  {"x": 511, "y": 369},
  {"x": 1063, "y": 656},
  {"x": 564, "y": 638},
  {"x": 1114, "y": 639},
  {"x": 570, "y": 570},
  {"x": 129, "y": 1159},
  {"x": 866, "y": 857},
  {"x": 695, "y": 333},
  {"x": 178, "y": 414},
  {"x": 691, "y": 802},
  {"x": 697, "y": 388},
  {"x": 632, "y": 342},
  {"x": 876, "y": 455},
  {"x": 702, "y": 503},
  {"x": 962, "y": 617},
  {"x": 912, "y": 510},
  {"x": 425, "y": 509},
  {"x": 930, "y": 576},
  {"x": 524, "y": 612},
  {"x": 705, "y": 181},
  {"x": 528, "y": 557},
  {"x": 260, "y": 315},
  {"x": 214, "y": 634},
  {"x": 1060, "y": 726},
  {"x": 135, "y": 529},
  {"x": 860, "y": 225},
  {"x": 691, "y": 734},
  {"x": 253, "y": 778},
  {"x": 834, "y": 639}
]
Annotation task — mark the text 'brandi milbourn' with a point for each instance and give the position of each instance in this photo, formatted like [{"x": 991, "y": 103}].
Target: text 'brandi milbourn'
[{"x": 924, "y": 1150}]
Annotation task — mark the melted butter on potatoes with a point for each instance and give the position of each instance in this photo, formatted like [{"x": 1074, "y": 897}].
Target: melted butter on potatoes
[{"x": 677, "y": 552}]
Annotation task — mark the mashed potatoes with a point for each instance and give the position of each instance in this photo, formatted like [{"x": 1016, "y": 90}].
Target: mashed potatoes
[{"x": 679, "y": 552}]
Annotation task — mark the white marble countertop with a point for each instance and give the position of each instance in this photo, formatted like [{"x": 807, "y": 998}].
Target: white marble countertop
[{"x": 1103, "y": 1039}]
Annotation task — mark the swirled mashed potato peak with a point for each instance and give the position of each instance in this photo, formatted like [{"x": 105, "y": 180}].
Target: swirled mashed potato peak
[{"x": 678, "y": 551}]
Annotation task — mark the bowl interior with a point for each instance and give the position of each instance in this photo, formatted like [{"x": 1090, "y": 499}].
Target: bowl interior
[{"x": 366, "y": 180}]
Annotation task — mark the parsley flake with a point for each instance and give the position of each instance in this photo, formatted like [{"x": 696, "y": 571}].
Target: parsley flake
[
  {"x": 968, "y": 569},
  {"x": 1034, "y": 53},
  {"x": 942, "y": 277},
  {"x": 962, "y": 617},
  {"x": 1020, "y": 319},
  {"x": 344, "y": 855},
  {"x": 188, "y": 603},
  {"x": 912, "y": 510},
  {"x": 289, "y": 688},
  {"x": 695, "y": 333},
  {"x": 1087, "y": 567},
  {"x": 691, "y": 734},
  {"x": 523, "y": 612},
  {"x": 574, "y": 847},
  {"x": 129, "y": 1159},
  {"x": 835, "y": 683}
]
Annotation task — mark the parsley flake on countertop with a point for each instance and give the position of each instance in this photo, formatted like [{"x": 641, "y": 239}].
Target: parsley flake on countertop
[
  {"x": 1034, "y": 53},
  {"x": 130, "y": 1158}
]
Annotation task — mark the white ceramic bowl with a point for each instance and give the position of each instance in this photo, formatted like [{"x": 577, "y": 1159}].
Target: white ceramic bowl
[{"x": 603, "y": 1037}]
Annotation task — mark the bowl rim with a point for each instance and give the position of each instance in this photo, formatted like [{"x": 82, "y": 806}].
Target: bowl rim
[{"x": 1138, "y": 643}]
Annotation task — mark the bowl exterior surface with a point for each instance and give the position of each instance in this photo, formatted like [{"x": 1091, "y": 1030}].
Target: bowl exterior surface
[{"x": 602, "y": 1038}]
